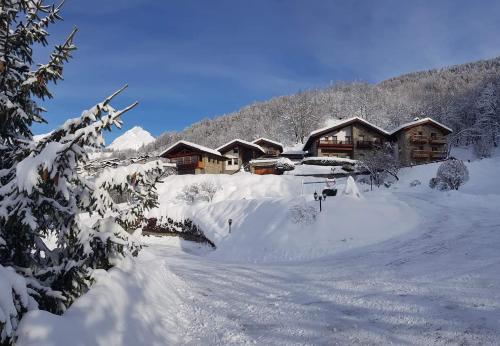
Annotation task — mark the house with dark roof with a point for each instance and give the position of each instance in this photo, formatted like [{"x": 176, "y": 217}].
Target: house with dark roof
[
  {"x": 238, "y": 154},
  {"x": 421, "y": 141},
  {"x": 191, "y": 158},
  {"x": 271, "y": 148},
  {"x": 350, "y": 138}
]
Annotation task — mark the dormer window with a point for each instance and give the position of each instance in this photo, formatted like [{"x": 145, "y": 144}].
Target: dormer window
[{"x": 235, "y": 150}]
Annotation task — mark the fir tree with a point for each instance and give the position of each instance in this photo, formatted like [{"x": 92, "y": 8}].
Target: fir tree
[{"x": 43, "y": 191}]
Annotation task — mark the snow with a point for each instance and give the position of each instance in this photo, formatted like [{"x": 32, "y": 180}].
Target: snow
[
  {"x": 351, "y": 189},
  {"x": 278, "y": 160},
  {"x": 133, "y": 139},
  {"x": 339, "y": 123},
  {"x": 402, "y": 265},
  {"x": 420, "y": 121},
  {"x": 340, "y": 160},
  {"x": 192, "y": 145},
  {"x": 241, "y": 141},
  {"x": 269, "y": 141},
  {"x": 315, "y": 169},
  {"x": 28, "y": 170},
  {"x": 12, "y": 285}
]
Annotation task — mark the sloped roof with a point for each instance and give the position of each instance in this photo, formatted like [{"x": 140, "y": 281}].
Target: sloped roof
[
  {"x": 421, "y": 121},
  {"x": 269, "y": 141},
  {"x": 242, "y": 142},
  {"x": 341, "y": 124},
  {"x": 191, "y": 145}
]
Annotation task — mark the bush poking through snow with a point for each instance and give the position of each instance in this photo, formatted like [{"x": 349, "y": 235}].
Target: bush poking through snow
[
  {"x": 415, "y": 183},
  {"x": 199, "y": 192},
  {"x": 185, "y": 229},
  {"x": 451, "y": 175},
  {"x": 303, "y": 214}
]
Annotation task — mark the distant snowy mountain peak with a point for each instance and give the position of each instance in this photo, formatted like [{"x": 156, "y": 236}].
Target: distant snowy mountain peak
[{"x": 133, "y": 139}]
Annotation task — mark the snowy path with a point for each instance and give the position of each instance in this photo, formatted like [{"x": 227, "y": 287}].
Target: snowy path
[{"x": 437, "y": 285}]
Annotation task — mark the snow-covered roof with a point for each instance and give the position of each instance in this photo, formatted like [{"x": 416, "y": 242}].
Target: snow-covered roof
[
  {"x": 343, "y": 122},
  {"x": 418, "y": 122},
  {"x": 240, "y": 141},
  {"x": 269, "y": 141},
  {"x": 192, "y": 145},
  {"x": 340, "y": 124},
  {"x": 329, "y": 159}
]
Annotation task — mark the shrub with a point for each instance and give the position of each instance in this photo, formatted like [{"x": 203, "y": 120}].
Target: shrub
[
  {"x": 417, "y": 182},
  {"x": 451, "y": 175},
  {"x": 196, "y": 192},
  {"x": 185, "y": 229},
  {"x": 303, "y": 214}
]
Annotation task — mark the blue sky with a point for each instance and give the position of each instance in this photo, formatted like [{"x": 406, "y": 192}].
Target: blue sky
[{"x": 187, "y": 60}]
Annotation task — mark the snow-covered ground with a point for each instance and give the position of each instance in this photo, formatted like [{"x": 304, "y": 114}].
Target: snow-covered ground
[{"x": 403, "y": 265}]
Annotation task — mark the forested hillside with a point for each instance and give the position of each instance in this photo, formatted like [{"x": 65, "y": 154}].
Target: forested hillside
[{"x": 464, "y": 97}]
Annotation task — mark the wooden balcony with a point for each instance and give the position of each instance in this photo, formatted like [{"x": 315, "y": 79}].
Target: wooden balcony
[
  {"x": 346, "y": 144},
  {"x": 420, "y": 139},
  {"x": 438, "y": 154},
  {"x": 420, "y": 154},
  {"x": 437, "y": 140}
]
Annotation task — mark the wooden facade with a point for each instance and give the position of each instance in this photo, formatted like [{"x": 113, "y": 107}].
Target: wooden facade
[
  {"x": 271, "y": 148},
  {"x": 194, "y": 159},
  {"x": 238, "y": 154},
  {"x": 350, "y": 139},
  {"x": 421, "y": 142}
]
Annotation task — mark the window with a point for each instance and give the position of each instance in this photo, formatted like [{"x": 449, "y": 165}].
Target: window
[
  {"x": 235, "y": 150},
  {"x": 229, "y": 162},
  {"x": 235, "y": 161},
  {"x": 420, "y": 133},
  {"x": 433, "y": 135}
]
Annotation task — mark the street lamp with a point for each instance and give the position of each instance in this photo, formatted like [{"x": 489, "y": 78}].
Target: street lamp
[
  {"x": 230, "y": 221},
  {"x": 319, "y": 198}
]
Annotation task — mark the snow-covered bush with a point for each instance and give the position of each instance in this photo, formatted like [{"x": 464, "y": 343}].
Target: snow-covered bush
[
  {"x": 303, "y": 214},
  {"x": 415, "y": 183},
  {"x": 185, "y": 229},
  {"x": 451, "y": 175},
  {"x": 284, "y": 164},
  {"x": 199, "y": 192}
]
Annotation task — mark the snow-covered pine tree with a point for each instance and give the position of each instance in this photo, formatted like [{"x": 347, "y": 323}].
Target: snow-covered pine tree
[
  {"x": 486, "y": 128},
  {"x": 22, "y": 24},
  {"x": 42, "y": 191}
]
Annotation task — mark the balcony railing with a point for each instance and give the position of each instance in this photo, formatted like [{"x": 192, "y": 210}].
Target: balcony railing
[
  {"x": 420, "y": 154},
  {"x": 419, "y": 139},
  {"x": 437, "y": 140},
  {"x": 336, "y": 143}
]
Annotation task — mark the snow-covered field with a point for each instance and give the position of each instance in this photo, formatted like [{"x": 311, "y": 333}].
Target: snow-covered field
[{"x": 401, "y": 265}]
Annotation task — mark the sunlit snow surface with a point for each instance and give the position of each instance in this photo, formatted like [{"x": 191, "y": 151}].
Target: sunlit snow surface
[{"x": 404, "y": 265}]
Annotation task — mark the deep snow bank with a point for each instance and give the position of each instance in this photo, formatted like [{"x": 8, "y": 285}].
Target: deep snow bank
[
  {"x": 134, "y": 304},
  {"x": 263, "y": 229}
]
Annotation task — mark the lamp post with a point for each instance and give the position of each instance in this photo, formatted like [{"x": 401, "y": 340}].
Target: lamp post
[
  {"x": 230, "y": 221},
  {"x": 319, "y": 198}
]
